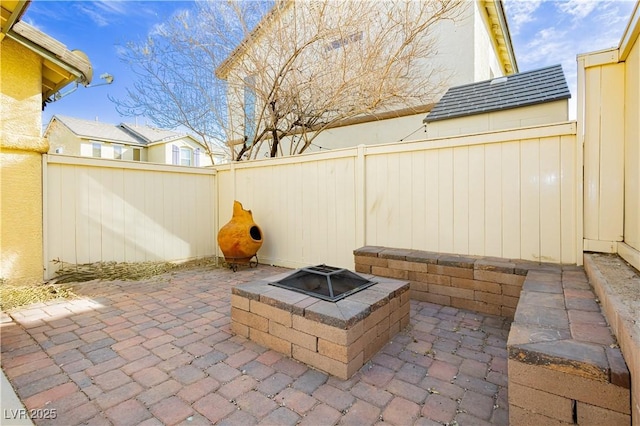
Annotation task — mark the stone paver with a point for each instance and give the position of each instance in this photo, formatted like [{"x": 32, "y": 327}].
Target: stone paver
[{"x": 162, "y": 351}]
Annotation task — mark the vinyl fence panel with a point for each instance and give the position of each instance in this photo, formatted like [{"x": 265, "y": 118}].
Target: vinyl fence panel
[
  {"x": 108, "y": 210},
  {"x": 510, "y": 194}
]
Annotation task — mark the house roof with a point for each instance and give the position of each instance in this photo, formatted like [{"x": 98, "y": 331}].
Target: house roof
[
  {"x": 499, "y": 30},
  {"x": 60, "y": 66},
  {"x": 124, "y": 133},
  {"x": 96, "y": 130},
  {"x": 513, "y": 91}
]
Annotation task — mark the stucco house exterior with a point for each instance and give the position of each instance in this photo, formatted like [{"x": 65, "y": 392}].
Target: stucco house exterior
[
  {"x": 519, "y": 100},
  {"x": 87, "y": 138},
  {"x": 475, "y": 46},
  {"x": 33, "y": 67}
]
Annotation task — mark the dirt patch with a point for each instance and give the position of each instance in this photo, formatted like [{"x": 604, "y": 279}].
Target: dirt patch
[
  {"x": 67, "y": 283},
  {"x": 110, "y": 271},
  {"x": 623, "y": 278},
  {"x": 13, "y": 296}
]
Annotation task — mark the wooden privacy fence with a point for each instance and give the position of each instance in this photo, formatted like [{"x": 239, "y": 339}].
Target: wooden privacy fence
[
  {"x": 511, "y": 194},
  {"x": 111, "y": 210}
]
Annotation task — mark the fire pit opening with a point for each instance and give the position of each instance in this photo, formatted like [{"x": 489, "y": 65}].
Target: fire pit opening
[
  {"x": 324, "y": 282},
  {"x": 255, "y": 233}
]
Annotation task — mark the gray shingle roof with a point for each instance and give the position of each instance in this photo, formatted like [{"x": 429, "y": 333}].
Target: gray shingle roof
[
  {"x": 150, "y": 134},
  {"x": 513, "y": 91},
  {"x": 123, "y": 133},
  {"x": 98, "y": 131}
]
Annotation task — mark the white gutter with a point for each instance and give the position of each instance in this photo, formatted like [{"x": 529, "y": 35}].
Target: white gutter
[{"x": 74, "y": 63}]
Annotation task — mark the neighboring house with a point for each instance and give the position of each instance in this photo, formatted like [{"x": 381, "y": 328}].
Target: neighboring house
[
  {"x": 476, "y": 46},
  {"x": 520, "y": 100},
  {"x": 86, "y": 138},
  {"x": 33, "y": 68}
]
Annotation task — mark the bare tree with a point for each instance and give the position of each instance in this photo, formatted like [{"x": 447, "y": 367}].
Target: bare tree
[
  {"x": 175, "y": 85},
  {"x": 305, "y": 67},
  {"x": 315, "y": 64}
]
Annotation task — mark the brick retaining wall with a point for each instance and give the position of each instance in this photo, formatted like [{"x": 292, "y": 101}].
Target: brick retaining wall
[{"x": 482, "y": 284}]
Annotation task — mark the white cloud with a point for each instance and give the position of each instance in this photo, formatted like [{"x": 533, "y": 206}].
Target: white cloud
[
  {"x": 578, "y": 9},
  {"x": 98, "y": 18},
  {"x": 548, "y": 46},
  {"x": 114, "y": 7},
  {"x": 560, "y": 30},
  {"x": 521, "y": 12},
  {"x": 108, "y": 12}
]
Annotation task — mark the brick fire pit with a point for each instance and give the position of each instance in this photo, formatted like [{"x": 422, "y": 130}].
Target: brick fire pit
[{"x": 335, "y": 337}]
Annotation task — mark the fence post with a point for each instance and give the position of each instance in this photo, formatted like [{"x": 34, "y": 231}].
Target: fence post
[
  {"x": 579, "y": 225},
  {"x": 45, "y": 217},
  {"x": 360, "y": 191}
]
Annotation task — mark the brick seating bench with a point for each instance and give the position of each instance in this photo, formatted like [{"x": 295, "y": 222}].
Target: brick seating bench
[{"x": 564, "y": 364}]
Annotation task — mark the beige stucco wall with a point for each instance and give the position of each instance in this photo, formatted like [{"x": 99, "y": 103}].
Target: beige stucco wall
[
  {"x": 108, "y": 150},
  {"x": 162, "y": 153},
  {"x": 60, "y": 137},
  {"x": 547, "y": 113},
  {"x": 374, "y": 132},
  {"x": 21, "y": 164}
]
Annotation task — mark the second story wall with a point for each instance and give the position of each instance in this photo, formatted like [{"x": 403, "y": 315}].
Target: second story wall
[
  {"x": 184, "y": 150},
  {"x": 486, "y": 64},
  {"x": 464, "y": 52},
  {"x": 63, "y": 141}
]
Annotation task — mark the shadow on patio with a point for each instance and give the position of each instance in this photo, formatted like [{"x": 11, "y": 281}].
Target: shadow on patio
[{"x": 161, "y": 351}]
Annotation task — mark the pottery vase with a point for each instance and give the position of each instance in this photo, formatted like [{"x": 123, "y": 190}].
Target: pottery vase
[{"x": 241, "y": 237}]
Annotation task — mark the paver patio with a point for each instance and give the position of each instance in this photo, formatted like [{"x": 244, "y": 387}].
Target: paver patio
[{"x": 161, "y": 351}]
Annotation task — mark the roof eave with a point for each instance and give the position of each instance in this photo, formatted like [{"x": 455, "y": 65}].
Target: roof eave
[
  {"x": 222, "y": 71},
  {"x": 68, "y": 65},
  {"x": 504, "y": 26},
  {"x": 630, "y": 34},
  {"x": 14, "y": 15}
]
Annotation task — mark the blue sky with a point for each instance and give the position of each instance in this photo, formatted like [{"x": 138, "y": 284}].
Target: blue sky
[{"x": 543, "y": 33}]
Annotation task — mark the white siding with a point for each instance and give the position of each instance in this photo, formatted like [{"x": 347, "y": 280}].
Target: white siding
[
  {"x": 632, "y": 153},
  {"x": 535, "y": 115}
]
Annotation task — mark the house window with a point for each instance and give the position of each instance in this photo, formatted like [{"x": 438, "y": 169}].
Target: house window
[
  {"x": 196, "y": 157},
  {"x": 117, "y": 152},
  {"x": 97, "y": 150},
  {"x": 341, "y": 42},
  {"x": 175, "y": 155},
  {"x": 249, "y": 109},
  {"x": 136, "y": 154},
  {"x": 185, "y": 156}
]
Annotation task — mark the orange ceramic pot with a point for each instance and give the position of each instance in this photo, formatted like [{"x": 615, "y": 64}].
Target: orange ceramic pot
[{"x": 240, "y": 238}]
